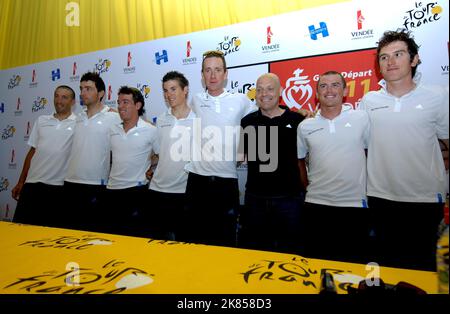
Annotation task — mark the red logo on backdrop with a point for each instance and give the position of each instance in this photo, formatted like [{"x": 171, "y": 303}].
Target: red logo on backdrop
[
  {"x": 359, "y": 19},
  {"x": 129, "y": 59},
  {"x": 299, "y": 77},
  {"x": 269, "y": 35},
  {"x": 28, "y": 127},
  {"x": 33, "y": 76},
  {"x": 188, "y": 49},
  {"x": 109, "y": 92},
  {"x": 13, "y": 155},
  {"x": 18, "y": 104},
  {"x": 74, "y": 69}
]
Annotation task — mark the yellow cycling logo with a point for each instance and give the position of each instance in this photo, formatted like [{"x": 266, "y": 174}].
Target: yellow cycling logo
[
  {"x": 8, "y": 132},
  {"x": 39, "y": 104},
  {"x": 14, "y": 81}
]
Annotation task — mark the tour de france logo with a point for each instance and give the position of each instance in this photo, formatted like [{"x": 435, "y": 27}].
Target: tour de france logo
[
  {"x": 14, "y": 81},
  {"x": 4, "y": 183},
  {"x": 8, "y": 132},
  {"x": 39, "y": 104}
]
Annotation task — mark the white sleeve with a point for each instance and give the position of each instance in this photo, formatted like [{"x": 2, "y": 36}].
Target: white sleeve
[
  {"x": 156, "y": 143},
  {"x": 362, "y": 104},
  {"x": 249, "y": 106},
  {"x": 34, "y": 136},
  {"x": 366, "y": 134},
  {"x": 442, "y": 119},
  {"x": 302, "y": 148},
  {"x": 194, "y": 104}
]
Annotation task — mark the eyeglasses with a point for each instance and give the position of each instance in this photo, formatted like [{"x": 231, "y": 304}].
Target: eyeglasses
[
  {"x": 213, "y": 53},
  {"x": 401, "y": 288}
]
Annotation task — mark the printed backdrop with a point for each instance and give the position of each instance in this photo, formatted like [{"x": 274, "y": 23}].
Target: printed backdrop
[{"x": 297, "y": 46}]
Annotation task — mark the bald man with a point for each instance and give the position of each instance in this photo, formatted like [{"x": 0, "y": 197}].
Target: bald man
[{"x": 274, "y": 195}]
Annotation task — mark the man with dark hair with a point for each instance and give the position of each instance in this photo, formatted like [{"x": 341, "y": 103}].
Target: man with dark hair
[
  {"x": 335, "y": 214},
  {"x": 406, "y": 172},
  {"x": 412, "y": 48},
  {"x": 165, "y": 216},
  {"x": 89, "y": 163},
  {"x": 132, "y": 142},
  {"x": 39, "y": 189}
]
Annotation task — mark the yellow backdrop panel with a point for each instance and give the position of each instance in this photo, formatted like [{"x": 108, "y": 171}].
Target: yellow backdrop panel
[{"x": 39, "y": 30}]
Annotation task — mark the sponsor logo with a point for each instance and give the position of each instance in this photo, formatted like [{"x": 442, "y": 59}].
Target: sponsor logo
[
  {"x": 188, "y": 49},
  {"x": 314, "y": 131},
  {"x": 102, "y": 66},
  {"x": 361, "y": 33},
  {"x": 14, "y": 81},
  {"x": 297, "y": 91},
  {"x": 18, "y": 111},
  {"x": 129, "y": 69},
  {"x": 109, "y": 92},
  {"x": 144, "y": 88},
  {"x": 12, "y": 164},
  {"x": 27, "y": 132},
  {"x": 110, "y": 102},
  {"x": 270, "y": 46},
  {"x": 4, "y": 183},
  {"x": 33, "y": 83},
  {"x": 269, "y": 35},
  {"x": 323, "y": 29},
  {"x": 56, "y": 74},
  {"x": 422, "y": 13},
  {"x": 7, "y": 213},
  {"x": 378, "y": 108},
  {"x": 161, "y": 56},
  {"x": 39, "y": 104},
  {"x": 247, "y": 89},
  {"x": 229, "y": 45},
  {"x": 189, "y": 59},
  {"x": 8, "y": 132},
  {"x": 2, "y": 107},
  {"x": 299, "y": 77},
  {"x": 74, "y": 77}
]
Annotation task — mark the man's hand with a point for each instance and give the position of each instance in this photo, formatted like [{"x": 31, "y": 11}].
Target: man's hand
[
  {"x": 306, "y": 113},
  {"x": 149, "y": 173},
  {"x": 16, "y": 191},
  {"x": 154, "y": 162},
  {"x": 444, "y": 150}
]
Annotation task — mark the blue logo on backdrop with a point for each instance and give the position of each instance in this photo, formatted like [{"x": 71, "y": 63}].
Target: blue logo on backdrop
[
  {"x": 2, "y": 107},
  {"x": 56, "y": 75},
  {"x": 161, "y": 57},
  {"x": 313, "y": 32}
]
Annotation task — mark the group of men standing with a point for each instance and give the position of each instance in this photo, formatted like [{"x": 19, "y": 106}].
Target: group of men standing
[{"x": 355, "y": 185}]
